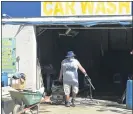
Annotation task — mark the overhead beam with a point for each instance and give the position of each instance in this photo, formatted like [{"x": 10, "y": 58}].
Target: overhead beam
[
  {"x": 61, "y": 20},
  {"x": 76, "y": 28}
]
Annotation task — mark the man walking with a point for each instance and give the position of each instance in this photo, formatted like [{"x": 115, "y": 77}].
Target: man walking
[{"x": 69, "y": 67}]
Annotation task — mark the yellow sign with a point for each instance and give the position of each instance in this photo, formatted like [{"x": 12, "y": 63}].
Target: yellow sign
[
  {"x": 85, "y": 8},
  {"x": 8, "y": 55}
]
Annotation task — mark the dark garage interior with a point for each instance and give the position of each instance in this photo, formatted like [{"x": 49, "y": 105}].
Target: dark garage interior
[{"x": 104, "y": 53}]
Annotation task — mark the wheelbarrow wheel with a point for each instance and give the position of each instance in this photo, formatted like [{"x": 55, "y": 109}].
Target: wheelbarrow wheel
[{"x": 16, "y": 109}]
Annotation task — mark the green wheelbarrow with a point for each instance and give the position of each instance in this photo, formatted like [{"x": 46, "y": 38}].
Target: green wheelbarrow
[{"x": 26, "y": 102}]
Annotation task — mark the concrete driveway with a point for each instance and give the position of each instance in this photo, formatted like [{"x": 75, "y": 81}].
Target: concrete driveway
[{"x": 95, "y": 107}]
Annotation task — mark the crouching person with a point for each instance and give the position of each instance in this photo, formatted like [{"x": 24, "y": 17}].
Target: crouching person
[{"x": 69, "y": 67}]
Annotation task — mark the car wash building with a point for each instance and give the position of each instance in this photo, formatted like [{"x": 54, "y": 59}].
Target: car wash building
[{"x": 100, "y": 34}]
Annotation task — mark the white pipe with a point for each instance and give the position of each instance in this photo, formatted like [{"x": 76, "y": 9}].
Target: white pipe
[
  {"x": 41, "y": 32},
  {"x": 70, "y": 19},
  {"x": 67, "y": 32}
]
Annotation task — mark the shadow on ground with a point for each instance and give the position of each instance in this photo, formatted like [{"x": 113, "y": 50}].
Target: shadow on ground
[
  {"x": 115, "y": 108},
  {"x": 104, "y": 105},
  {"x": 43, "y": 111}
]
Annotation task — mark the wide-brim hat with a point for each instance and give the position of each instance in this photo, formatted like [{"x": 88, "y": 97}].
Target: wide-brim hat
[{"x": 70, "y": 54}]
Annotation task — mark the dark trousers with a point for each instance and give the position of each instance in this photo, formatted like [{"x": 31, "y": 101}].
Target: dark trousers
[{"x": 47, "y": 80}]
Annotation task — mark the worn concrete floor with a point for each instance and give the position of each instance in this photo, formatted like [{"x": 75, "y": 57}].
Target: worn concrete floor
[{"x": 101, "y": 107}]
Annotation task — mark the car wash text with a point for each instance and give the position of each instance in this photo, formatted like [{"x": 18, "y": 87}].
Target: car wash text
[{"x": 85, "y": 8}]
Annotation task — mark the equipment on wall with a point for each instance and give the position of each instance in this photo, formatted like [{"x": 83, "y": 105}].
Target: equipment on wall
[{"x": 69, "y": 32}]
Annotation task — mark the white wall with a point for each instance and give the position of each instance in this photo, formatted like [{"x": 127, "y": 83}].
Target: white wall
[{"x": 25, "y": 48}]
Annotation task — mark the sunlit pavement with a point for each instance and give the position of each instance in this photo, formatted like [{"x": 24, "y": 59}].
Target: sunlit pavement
[{"x": 86, "y": 107}]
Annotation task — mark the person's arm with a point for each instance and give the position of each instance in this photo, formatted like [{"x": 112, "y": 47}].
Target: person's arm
[
  {"x": 82, "y": 69},
  {"x": 61, "y": 73}
]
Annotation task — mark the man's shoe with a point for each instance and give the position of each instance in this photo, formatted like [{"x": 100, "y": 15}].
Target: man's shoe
[
  {"x": 67, "y": 104},
  {"x": 73, "y": 103}
]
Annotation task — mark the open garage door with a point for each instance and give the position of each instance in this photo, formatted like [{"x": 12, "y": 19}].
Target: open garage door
[{"x": 103, "y": 50}]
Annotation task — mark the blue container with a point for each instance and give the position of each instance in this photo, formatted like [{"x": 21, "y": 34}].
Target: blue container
[
  {"x": 4, "y": 80},
  {"x": 129, "y": 95}
]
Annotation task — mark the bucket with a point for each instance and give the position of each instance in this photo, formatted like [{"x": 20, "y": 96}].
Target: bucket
[
  {"x": 4, "y": 81},
  {"x": 129, "y": 95}
]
